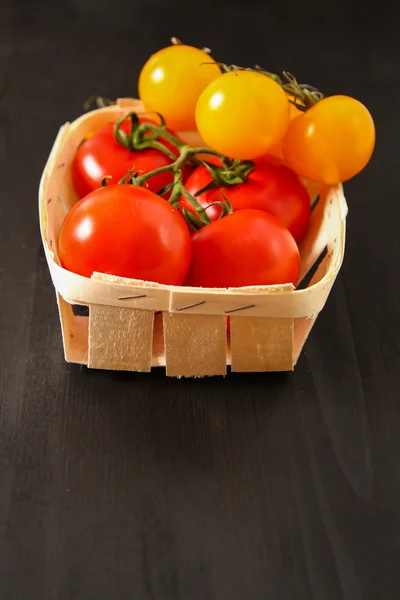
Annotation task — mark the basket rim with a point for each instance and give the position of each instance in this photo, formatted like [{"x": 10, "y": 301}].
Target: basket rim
[{"x": 111, "y": 290}]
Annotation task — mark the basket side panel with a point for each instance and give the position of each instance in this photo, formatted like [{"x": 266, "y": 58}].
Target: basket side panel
[
  {"x": 326, "y": 230},
  {"x": 66, "y": 316},
  {"x": 302, "y": 329},
  {"x": 195, "y": 345},
  {"x": 120, "y": 338},
  {"x": 74, "y": 333},
  {"x": 261, "y": 344}
]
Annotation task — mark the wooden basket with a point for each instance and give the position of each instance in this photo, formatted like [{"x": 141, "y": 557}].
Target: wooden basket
[{"x": 135, "y": 325}]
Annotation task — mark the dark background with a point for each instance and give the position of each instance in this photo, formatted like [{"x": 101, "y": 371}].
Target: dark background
[{"x": 124, "y": 486}]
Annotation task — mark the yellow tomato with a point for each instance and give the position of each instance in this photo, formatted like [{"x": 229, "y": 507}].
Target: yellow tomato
[
  {"x": 172, "y": 80},
  {"x": 332, "y": 141},
  {"x": 242, "y": 114}
]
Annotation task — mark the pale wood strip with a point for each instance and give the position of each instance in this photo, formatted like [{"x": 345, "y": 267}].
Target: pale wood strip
[
  {"x": 120, "y": 338},
  {"x": 66, "y": 315},
  {"x": 195, "y": 345},
  {"x": 74, "y": 331},
  {"x": 261, "y": 344}
]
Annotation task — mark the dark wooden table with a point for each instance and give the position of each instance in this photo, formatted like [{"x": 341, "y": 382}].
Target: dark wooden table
[{"x": 123, "y": 486}]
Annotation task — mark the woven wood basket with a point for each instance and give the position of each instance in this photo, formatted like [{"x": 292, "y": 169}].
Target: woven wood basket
[{"x": 135, "y": 325}]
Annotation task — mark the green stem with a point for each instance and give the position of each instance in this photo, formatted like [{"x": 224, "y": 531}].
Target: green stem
[
  {"x": 145, "y": 135},
  {"x": 187, "y": 152},
  {"x": 161, "y": 131},
  {"x": 305, "y": 96},
  {"x": 180, "y": 190},
  {"x": 177, "y": 189},
  {"x": 156, "y": 145},
  {"x": 200, "y": 211},
  {"x": 139, "y": 181},
  {"x": 138, "y": 138}
]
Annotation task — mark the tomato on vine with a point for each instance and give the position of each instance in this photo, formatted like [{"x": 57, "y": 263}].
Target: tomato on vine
[
  {"x": 126, "y": 231},
  {"x": 172, "y": 80},
  {"x": 242, "y": 114},
  {"x": 270, "y": 186},
  {"x": 332, "y": 141},
  {"x": 107, "y": 154},
  {"x": 247, "y": 247}
]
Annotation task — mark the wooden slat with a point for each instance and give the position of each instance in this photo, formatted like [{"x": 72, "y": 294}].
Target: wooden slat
[
  {"x": 261, "y": 344},
  {"x": 74, "y": 333},
  {"x": 66, "y": 316},
  {"x": 195, "y": 345},
  {"x": 120, "y": 338}
]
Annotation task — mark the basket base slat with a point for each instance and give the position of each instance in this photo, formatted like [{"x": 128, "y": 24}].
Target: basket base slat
[
  {"x": 120, "y": 338},
  {"x": 195, "y": 345},
  {"x": 261, "y": 344}
]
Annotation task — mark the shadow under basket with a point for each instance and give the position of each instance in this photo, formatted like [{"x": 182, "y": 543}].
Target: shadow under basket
[{"x": 115, "y": 323}]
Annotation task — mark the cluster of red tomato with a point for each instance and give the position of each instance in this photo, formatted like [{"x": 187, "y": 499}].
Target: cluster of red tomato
[{"x": 225, "y": 215}]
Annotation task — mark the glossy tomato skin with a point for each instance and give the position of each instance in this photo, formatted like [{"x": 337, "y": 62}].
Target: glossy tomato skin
[
  {"x": 172, "y": 80},
  {"x": 248, "y": 247},
  {"x": 294, "y": 112},
  {"x": 332, "y": 141},
  {"x": 270, "y": 186},
  {"x": 242, "y": 114},
  {"x": 126, "y": 231},
  {"x": 100, "y": 155}
]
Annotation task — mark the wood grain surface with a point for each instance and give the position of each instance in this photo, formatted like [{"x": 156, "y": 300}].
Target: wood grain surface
[{"x": 116, "y": 486}]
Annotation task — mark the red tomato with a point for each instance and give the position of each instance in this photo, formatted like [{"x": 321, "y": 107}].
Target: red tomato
[
  {"x": 270, "y": 186},
  {"x": 127, "y": 231},
  {"x": 100, "y": 155},
  {"x": 247, "y": 247}
]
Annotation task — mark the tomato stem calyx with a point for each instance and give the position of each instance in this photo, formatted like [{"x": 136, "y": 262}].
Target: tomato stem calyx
[
  {"x": 231, "y": 174},
  {"x": 143, "y": 136},
  {"x": 177, "y": 42},
  {"x": 305, "y": 96},
  {"x": 201, "y": 219}
]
